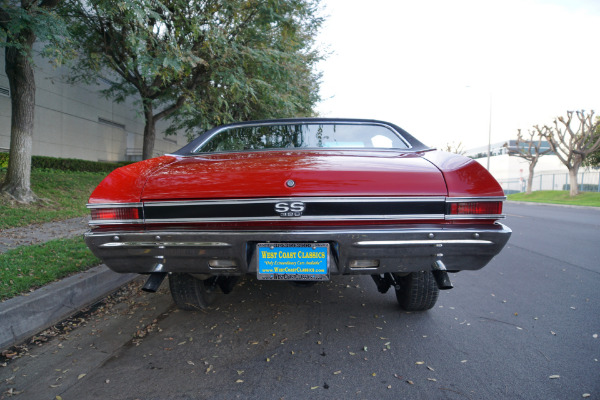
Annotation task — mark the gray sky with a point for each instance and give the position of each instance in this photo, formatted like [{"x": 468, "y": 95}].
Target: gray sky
[{"x": 432, "y": 66}]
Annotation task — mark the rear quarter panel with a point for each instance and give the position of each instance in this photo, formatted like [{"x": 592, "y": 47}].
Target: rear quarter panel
[
  {"x": 125, "y": 184},
  {"x": 464, "y": 176}
]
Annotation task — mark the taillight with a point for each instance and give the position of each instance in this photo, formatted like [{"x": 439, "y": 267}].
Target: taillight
[
  {"x": 476, "y": 208},
  {"x": 115, "y": 213}
]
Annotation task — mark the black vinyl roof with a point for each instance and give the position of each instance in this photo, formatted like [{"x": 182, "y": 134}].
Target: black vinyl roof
[{"x": 190, "y": 148}]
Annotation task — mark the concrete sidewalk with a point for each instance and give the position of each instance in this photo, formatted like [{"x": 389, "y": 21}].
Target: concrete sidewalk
[{"x": 39, "y": 233}]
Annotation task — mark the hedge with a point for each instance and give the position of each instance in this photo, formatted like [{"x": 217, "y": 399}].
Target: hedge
[
  {"x": 583, "y": 187},
  {"x": 66, "y": 164}
]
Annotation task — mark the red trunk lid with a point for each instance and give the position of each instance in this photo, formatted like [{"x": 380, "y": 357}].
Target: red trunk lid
[{"x": 315, "y": 173}]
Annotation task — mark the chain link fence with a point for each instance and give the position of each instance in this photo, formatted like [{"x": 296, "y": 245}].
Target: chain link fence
[{"x": 588, "y": 181}]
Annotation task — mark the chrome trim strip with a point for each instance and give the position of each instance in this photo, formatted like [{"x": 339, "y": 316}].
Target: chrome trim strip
[
  {"x": 164, "y": 244},
  {"x": 474, "y": 199},
  {"x": 95, "y": 222},
  {"x": 225, "y": 128},
  {"x": 113, "y": 205},
  {"x": 475, "y": 216},
  {"x": 431, "y": 242},
  {"x": 302, "y": 199},
  {"x": 450, "y": 229},
  {"x": 403, "y": 217}
]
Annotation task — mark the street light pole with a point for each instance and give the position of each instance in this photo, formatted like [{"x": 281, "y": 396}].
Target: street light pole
[{"x": 489, "y": 135}]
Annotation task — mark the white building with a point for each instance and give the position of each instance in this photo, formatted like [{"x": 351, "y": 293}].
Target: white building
[
  {"x": 512, "y": 171},
  {"x": 78, "y": 122}
]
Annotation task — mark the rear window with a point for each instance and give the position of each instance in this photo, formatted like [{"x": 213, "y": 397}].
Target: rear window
[{"x": 264, "y": 137}]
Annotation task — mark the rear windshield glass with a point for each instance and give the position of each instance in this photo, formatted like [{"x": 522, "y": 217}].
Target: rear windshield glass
[{"x": 303, "y": 136}]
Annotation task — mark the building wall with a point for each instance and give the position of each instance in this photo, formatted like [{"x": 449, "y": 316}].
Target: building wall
[
  {"x": 76, "y": 121},
  {"x": 511, "y": 167}
]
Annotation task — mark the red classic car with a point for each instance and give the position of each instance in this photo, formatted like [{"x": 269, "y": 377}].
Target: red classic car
[{"x": 299, "y": 200}]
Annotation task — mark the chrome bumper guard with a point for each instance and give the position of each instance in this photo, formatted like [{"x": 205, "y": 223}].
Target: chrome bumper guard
[{"x": 354, "y": 251}]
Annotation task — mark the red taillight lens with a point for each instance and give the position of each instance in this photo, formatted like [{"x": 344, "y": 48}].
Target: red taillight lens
[
  {"x": 115, "y": 213},
  {"x": 476, "y": 208}
]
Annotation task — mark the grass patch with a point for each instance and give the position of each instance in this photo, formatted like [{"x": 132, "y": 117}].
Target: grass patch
[
  {"x": 65, "y": 194},
  {"x": 29, "y": 267},
  {"x": 591, "y": 199}
]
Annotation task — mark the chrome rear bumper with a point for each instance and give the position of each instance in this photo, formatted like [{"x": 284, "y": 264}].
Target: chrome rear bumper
[{"x": 354, "y": 251}]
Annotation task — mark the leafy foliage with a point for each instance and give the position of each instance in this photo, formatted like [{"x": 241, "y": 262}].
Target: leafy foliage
[
  {"x": 210, "y": 62},
  {"x": 41, "y": 18}
]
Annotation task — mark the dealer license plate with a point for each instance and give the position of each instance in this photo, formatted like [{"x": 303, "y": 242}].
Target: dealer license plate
[{"x": 293, "y": 261}]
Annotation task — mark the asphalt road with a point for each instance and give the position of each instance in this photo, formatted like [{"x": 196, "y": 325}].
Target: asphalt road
[{"x": 524, "y": 327}]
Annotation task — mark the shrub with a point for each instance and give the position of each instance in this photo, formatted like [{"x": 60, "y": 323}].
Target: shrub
[
  {"x": 66, "y": 164},
  {"x": 585, "y": 187},
  {"x": 3, "y": 161}
]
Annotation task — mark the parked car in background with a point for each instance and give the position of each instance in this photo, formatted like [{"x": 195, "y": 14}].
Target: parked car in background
[{"x": 299, "y": 200}]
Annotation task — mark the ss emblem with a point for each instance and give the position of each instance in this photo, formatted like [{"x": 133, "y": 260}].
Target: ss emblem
[{"x": 290, "y": 208}]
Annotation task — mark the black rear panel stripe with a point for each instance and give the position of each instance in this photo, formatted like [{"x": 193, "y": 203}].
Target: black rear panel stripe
[{"x": 313, "y": 209}]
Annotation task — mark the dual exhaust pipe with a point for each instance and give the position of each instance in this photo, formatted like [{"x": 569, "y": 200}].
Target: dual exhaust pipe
[
  {"x": 153, "y": 282},
  {"x": 439, "y": 271}
]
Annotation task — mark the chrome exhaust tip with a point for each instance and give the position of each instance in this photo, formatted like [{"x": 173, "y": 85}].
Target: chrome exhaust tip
[
  {"x": 153, "y": 282},
  {"x": 440, "y": 274}
]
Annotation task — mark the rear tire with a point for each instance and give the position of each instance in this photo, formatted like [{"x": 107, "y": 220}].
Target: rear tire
[
  {"x": 192, "y": 294},
  {"x": 418, "y": 291}
]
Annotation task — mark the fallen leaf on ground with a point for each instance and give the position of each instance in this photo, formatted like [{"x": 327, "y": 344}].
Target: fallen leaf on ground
[
  {"x": 554, "y": 376},
  {"x": 80, "y": 376}
]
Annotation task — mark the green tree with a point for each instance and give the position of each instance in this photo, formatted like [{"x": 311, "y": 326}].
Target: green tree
[
  {"x": 21, "y": 23},
  {"x": 206, "y": 62}
]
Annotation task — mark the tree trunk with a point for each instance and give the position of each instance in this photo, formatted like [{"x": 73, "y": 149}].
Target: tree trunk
[
  {"x": 530, "y": 178},
  {"x": 149, "y": 131},
  {"x": 573, "y": 179},
  {"x": 19, "y": 71}
]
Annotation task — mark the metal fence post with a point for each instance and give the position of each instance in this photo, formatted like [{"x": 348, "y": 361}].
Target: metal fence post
[{"x": 553, "y": 181}]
